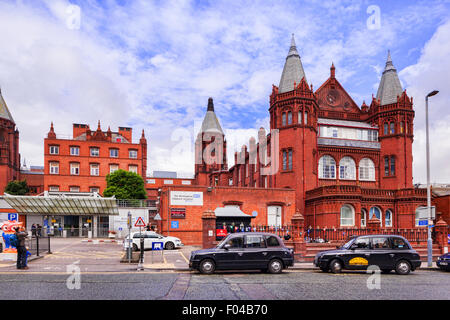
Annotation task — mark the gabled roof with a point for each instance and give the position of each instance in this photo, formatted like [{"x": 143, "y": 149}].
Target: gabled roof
[
  {"x": 210, "y": 122},
  {"x": 292, "y": 71},
  {"x": 390, "y": 86},
  {"x": 332, "y": 96},
  {"x": 4, "y": 111}
]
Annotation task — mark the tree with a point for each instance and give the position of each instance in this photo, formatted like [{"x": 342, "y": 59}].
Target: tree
[
  {"x": 125, "y": 185},
  {"x": 18, "y": 188}
]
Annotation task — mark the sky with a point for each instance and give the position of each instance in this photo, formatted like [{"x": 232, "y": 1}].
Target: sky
[{"x": 153, "y": 64}]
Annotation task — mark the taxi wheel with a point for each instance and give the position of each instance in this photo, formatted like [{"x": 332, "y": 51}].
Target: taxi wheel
[
  {"x": 170, "y": 246},
  {"x": 403, "y": 267},
  {"x": 207, "y": 266},
  {"x": 336, "y": 266},
  {"x": 275, "y": 266}
]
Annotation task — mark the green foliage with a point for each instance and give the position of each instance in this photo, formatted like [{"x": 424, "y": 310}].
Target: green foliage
[
  {"x": 125, "y": 185},
  {"x": 18, "y": 188}
]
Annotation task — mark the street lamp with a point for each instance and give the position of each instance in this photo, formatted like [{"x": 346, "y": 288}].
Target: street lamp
[{"x": 430, "y": 241}]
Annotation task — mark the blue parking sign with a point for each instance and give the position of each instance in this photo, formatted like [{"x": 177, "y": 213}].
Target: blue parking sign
[
  {"x": 12, "y": 216},
  {"x": 174, "y": 224},
  {"x": 157, "y": 245}
]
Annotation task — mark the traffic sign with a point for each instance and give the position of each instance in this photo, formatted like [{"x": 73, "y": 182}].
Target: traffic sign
[
  {"x": 140, "y": 222},
  {"x": 12, "y": 216},
  {"x": 157, "y": 245},
  {"x": 174, "y": 224}
]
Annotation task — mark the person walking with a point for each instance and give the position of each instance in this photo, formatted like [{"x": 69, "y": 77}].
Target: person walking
[
  {"x": 21, "y": 235},
  {"x": 39, "y": 230},
  {"x": 33, "y": 230}
]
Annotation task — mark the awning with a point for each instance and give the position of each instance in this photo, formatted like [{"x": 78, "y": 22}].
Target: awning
[
  {"x": 231, "y": 212},
  {"x": 63, "y": 206}
]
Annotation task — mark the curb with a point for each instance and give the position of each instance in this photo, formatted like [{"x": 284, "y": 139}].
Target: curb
[{"x": 99, "y": 241}]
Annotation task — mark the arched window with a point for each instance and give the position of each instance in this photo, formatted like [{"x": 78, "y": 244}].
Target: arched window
[
  {"x": 283, "y": 119},
  {"x": 347, "y": 216},
  {"x": 327, "y": 167},
  {"x": 366, "y": 170},
  {"x": 392, "y": 127},
  {"x": 375, "y": 212},
  {"x": 386, "y": 128},
  {"x": 300, "y": 117},
  {"x": 347, "y": 169},
  {"x": 363, "y": 217},
  {"x": 289, "y": 115},
  {"x": 306, "y": 118},
  {"x": 402, "y": 127},
  {"x": 388, "y": 218},
  {"x": 392, "y": 165}
]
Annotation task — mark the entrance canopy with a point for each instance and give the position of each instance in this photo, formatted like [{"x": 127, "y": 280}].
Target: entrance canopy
[
  {"x": 231, "y": 212},
  {"x": 62, "y": 205}
]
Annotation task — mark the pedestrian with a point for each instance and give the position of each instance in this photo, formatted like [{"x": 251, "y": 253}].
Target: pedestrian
[
  {"x": 39, "y": 230},
  {"x": 21, "y": 235},
  {"x": 72, "y": 230},
  {"x": 33, "y": 230},
  {"x": 148, "y": 227}
]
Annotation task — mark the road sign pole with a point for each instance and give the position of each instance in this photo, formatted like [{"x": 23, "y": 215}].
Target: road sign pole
[
  {"x": 141, "y": 258},
  {"x": 130, "y": 246}
]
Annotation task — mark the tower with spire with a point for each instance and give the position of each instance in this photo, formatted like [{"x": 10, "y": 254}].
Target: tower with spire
[
  {"x": 293, "y": 112},
  {"x": 9, "y": 147},
  {"x": 210, "y": 149},
  {"x": 392, "y": 110}
]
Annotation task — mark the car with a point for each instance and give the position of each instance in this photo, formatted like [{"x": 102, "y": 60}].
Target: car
[
  {"x": 388, "y": 252},
  {"x": 169, "y": 243},
  {"x": 443, "y": 262},
  {"x": 244, "y": 251}
]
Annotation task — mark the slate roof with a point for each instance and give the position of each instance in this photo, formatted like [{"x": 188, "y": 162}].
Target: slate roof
[
  {"x": 292, "y": 71},
  {"x": 210, "y": 122},
  {"x": 4, "y": 111},
  {"x": 390, "y": 86}
]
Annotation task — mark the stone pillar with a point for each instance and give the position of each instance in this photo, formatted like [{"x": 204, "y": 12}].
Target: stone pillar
[
  {"x": 374, "y": 225},
  {"x": 441, "y": 230},
  {"x": 298, "y": 222},
  {"x": 208, "y": 229}
]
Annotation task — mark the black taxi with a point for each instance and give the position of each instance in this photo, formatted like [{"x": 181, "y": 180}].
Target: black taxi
[
  {"x": 244, "y": 251},
  {"x": 388, "y": 252}
]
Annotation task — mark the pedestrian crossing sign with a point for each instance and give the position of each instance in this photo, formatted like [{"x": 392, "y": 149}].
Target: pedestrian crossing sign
[{"x": 139, "y": 222}]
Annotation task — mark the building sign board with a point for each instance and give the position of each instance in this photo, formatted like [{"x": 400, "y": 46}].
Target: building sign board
[
  {"x": 186, "y": 198},
  {"x": 178, "y": 213}
]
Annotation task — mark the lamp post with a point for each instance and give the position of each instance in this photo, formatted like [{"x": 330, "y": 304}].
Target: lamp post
[{"x": 430, "y": 241}]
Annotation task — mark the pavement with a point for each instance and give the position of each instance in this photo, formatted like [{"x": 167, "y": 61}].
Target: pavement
[{"x": 104, "y": 256}]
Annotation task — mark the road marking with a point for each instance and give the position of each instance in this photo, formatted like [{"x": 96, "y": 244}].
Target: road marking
[{"x": 184, "y": 257}]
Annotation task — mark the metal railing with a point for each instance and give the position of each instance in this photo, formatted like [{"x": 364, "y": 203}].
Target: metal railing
[
  {"x": 38, "y": 245},
  {"x": 135, "y": 203},
  {"x": 344, "y": 234},
  {"x": 285, "y": 231}
]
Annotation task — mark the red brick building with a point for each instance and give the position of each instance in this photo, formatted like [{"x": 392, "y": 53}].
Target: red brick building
[
  {"x": 346, "y": 163},
  {"x": 9, "y": 147},
  {"x": 81, "y": 163}
]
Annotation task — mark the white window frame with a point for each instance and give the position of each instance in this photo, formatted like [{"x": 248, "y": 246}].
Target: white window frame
[
  {"x": 74, "y": 189},
  {"x": 366, "y": 170},
  {"x": 94, "y": 189},
  {"x": 72, "y": 149},
  {"x": 113, "y": 153},
  {"x": 347, "y": 168},
  {"x": 363, "y": 218},
  {"x": 54, "y": 168},
  {"x": 327, "y": 164},
  {"x": 131, "y": 154},
  {"x": 54, "y": 150},
  {"x": 94, "y": 169},
  {"x": 53, "y": 188},
  {"x": 111, "y": 170},
  {"x": 386, "y": 224},
  {"x": 74, "y": 169},
  {"x": 350, "y": 220},
  {"x": 133, "y": 168},
  {"x": 93, "y": 153}
]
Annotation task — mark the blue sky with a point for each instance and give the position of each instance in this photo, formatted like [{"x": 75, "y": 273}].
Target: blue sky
[{"x": 153, "y": 64}]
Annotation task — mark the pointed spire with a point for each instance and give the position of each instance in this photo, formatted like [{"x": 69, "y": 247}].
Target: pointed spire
[
  {"x": 4, "y": 111},
  {"x": 390, "y": 86},
  {"x": 210, "y": 105},
  {"x": 99, "y": 128},
  {"x": 293, "y": 69},
  {"x": 51, "y": 134},
  {"x": 332, "y": 71},
  {"x": 210, "y": 122}
]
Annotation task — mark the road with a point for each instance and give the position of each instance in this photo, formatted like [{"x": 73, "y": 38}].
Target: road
[{"x": 298, "y": 285}]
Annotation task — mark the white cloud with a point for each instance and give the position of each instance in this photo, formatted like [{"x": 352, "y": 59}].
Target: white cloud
[{"x": 430, "y": 73}]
